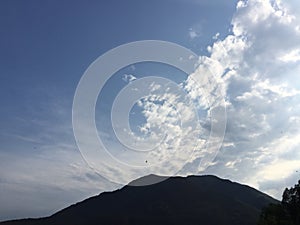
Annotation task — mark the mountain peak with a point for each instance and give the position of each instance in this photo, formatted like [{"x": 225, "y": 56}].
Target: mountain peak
[
  {"x": 148, "y": 180},
  {"x": 176, "y": 200}
]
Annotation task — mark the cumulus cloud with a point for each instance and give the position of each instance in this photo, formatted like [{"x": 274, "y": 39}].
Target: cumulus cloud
[{"x": 258, "y": 63}]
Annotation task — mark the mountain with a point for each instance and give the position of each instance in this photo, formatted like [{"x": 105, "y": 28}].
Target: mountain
[{"x": 201, "y": 200}]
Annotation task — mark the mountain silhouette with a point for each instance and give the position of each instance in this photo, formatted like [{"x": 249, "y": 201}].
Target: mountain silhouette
[{"x": 192, "y": 200}]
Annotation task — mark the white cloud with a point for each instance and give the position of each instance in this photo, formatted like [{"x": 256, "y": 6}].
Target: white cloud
[
  {"x": 292, "y": 56},
  {"x": 260, "y": 64},
  {"x": 193, "y": 34},
  {"x": 129, "y": 77},
  {"x": 195, "y": 31},
  {"x": 216, "y": 36}
]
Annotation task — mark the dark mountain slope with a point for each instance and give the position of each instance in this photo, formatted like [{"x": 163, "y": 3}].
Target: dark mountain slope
[{"x": 201, "y": 200}]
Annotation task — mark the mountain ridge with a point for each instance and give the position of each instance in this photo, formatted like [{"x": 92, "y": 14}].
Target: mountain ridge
[{"x": 176, "y": 200}]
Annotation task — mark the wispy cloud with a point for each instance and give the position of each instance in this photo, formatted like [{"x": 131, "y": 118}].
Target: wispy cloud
[{"x": 128, "y": 77}]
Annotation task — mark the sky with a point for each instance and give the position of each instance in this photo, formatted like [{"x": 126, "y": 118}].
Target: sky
[{"x": 248, "y": 62}]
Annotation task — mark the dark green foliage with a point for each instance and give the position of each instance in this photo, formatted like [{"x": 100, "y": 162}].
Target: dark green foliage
[
  {"x": 274, "y": 214},
  {"x": 285, "y": 213},
  {"x": 291, "y": 202}
]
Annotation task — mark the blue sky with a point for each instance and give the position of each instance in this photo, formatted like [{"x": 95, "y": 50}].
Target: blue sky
[{"x": 46, "y": 46}]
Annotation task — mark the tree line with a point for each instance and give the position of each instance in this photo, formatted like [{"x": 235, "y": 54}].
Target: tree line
[{"x": 287, "y": 212}]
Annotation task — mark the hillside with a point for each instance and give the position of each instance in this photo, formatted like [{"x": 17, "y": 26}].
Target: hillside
[{"x": 206, "y": 200}]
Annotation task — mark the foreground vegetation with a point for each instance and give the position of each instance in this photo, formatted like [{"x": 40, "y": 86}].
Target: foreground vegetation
[{"x": 285, "y": 213}]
